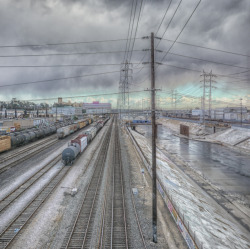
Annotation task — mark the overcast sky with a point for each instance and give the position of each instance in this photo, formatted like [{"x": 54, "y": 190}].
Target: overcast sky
[{"x": 222, "y": 25}]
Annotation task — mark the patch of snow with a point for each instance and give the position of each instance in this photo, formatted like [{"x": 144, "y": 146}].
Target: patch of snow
[
  {"x": 212, "y": 225},
  {"x": 194, "y": 128},
  {"x": 231, "y": 136}
]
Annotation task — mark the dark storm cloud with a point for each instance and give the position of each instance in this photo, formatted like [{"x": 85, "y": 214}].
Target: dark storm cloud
[{"x": 220, "y": 24}]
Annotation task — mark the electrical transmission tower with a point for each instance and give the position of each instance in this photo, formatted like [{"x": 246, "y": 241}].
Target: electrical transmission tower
[
  {"x": 125, "y": 81},
  {"x": 174, "y": 100},
  {"x": 207, "y": 93}
]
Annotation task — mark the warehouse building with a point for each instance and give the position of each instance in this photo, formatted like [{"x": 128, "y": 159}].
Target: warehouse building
[
  {"x": 67, "y": 110},
  {"x": 97, "y": 108}
]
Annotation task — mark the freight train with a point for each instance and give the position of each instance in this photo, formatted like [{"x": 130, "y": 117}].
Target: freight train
[
  {"x": 29, "y": 135},
  {"x": 67, "y": 130},
  {"x": 79, "y": 144}
]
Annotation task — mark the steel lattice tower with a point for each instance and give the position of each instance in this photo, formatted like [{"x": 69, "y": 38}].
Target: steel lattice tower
[
  {"x": 125, "y": 81},
  {"x": 207, "y": 93}
]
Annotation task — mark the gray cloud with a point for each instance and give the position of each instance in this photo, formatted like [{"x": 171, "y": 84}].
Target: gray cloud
[{"x": 223, "y": 25}]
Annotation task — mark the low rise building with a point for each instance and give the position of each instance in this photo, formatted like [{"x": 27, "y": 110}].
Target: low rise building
[
  {"x": 67, "y": 110},
  {"x": 97, "y": 108}
]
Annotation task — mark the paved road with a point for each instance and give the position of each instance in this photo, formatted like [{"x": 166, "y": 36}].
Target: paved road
[{"x": 224, "y": 167}]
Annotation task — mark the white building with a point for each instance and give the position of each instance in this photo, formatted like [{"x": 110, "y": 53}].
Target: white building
[
  {"x": 67, "y": 110},
  {"x": 97, "y": 107},
  {"x": 196, "y": 112}
]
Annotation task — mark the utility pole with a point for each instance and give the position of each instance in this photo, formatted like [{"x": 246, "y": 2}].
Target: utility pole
[
  {"x": 204, "y": 98},
  {"x": 154, "y": 190},
  {"x": 175, "y": 98},
  {"x": 241, "y": 112},
  {"x": 211, "y": 75}
]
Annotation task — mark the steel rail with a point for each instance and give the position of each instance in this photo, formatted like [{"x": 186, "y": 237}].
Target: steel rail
[
  {"x": 77, "y": 237},
  {"x": 18, "y": 223},
  {"x": 119, "y": 223},
  {"x": 22, "y": 150},
  {"x": 114, "y": 225},
  {"x": 136, "y": 215},
  {"x": 22, "y": 159},
  {"x": 106, "y": 222},
  {"x": 23, "y": 186}
]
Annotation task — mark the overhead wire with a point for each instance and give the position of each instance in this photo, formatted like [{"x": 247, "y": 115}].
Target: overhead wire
[
  {"x": 170, "y": 22},
  {"x": 208, "y": 48},
  {"x": 135, "y": 31},
  {"x": 63, "y": 43},
  {"x": 131, "y": 30},
  {"x": 81, "y": 96},
  {"x": 57, "y": 79},
  {"x": 126, "y": 48},
  {"x": 66, "y": 54},
  {"x": 215, "y": 62},
  {"x": 186, "y": 23},
  {"x": 66, "y": 65}
]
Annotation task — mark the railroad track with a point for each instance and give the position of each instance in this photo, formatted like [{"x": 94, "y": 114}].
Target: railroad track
[
  {"x": 23, "y": 150},
  {"x": 114, "y": 232},
  {"x": 12, "y": 230},
  {"x": 33, "y": 150},
  {"x": 79, "y": 234},
  {"x": 23, "y": 186}
]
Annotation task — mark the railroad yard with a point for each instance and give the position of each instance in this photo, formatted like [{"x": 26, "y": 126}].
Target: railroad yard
[
  {"x": 124, "y": 124},
  {"x": 90, "y": 204}
]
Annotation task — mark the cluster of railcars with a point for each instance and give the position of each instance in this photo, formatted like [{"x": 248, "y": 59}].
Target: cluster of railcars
[
  {"x": 69, "y": 129},
  {"x": 78, "y": 145},
  {"x": 20, "y": 138}
]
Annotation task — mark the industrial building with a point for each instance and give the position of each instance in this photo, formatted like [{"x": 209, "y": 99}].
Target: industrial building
[
  {"x": 67, "y": 110},
  {"x": 97, "y": 108}
]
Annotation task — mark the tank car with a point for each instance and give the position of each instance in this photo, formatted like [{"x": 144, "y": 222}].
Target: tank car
[
  {"x": 27, "y": 138},
  {"x": 75, "y": 147},
  {"x": 69, "y": 154}
]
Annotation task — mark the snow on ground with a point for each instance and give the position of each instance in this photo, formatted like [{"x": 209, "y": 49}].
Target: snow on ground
[
  {"x": 5, "y": 190},
  {"x": 194, "y": 128},
  {"x": 27, "y": 196},
  {"x": 212, "y": 225},
  {"x": 46, "y": 221},
  {"x": 232, "y": 136}
]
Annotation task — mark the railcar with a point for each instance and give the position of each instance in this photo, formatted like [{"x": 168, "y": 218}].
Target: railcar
[
  {"x": 75, "y": 147},
  {"x": 79, "y": 144}
]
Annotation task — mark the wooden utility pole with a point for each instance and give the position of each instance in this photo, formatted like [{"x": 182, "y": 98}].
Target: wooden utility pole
[
  {"x": 241, "y": 112},
  {"x": 154, "y": 187}
]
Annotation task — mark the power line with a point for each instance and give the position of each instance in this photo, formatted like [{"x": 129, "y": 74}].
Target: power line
[
  {"x": 126, "y": 48},
  {"x": 131, "y": 30},
  {"x": 56, "y": 79},
  {"x": 159, "y": 28},
  {"x": 240, "y": 72},
  {"x": 59, "y": 54},
  {"x": 215, "y": 62},
  {"x": 213, "y": 49},
  {"x": 81, "y": 96},
  {"x": 170, "y": 22},
  {"x": 89, "y": 65},
  {"x": 163, "y": 17},
  {"x": 136, "y": 30},
  {"x": 63, "y": 43},
  {"x": 182, "y": 29},
  {"x": 184, "y": 68},
  {"x": 189, "y": 69}
]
